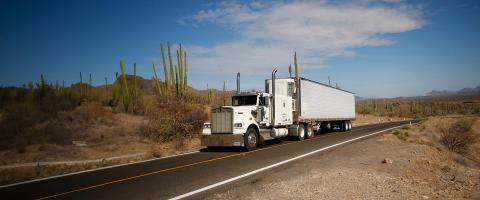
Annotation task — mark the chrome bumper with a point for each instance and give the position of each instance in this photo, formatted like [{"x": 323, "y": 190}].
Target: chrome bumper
[{"x": 222, "y": 140}]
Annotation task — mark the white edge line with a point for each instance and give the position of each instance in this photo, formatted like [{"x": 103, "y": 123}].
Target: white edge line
[
  {"x": 96, "y": 169},
  {"x": 275, "y": 165}
]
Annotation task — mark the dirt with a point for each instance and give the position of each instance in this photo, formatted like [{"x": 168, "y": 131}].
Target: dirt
[{"x": 381, "y": 167}]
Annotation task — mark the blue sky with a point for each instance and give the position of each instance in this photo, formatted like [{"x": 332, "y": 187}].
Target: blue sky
[{"x": 373, "y": 48}]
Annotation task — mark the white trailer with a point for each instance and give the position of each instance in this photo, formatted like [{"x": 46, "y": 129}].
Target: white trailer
[{"x": 291, "y": 107}]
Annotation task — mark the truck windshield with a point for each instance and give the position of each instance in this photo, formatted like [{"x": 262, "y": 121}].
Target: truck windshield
[{"x": 249, "y": 100}]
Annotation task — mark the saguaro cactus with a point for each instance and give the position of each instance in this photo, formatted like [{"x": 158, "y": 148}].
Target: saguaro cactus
[
  {"x": 165, "y": 72},
  {"x": 90, "y": 82},
  {"x": 157, "y": 82},
  {"x": 81, "y": 84},
  {"x": 185, "y": 83},
  {"x": 172, "y": 76},
  {"x": 180, "y": 72},
  {"x": 176, "y": 79},
  {"x": 135, "y": 79},
  {"x": 125, "y": 93}
]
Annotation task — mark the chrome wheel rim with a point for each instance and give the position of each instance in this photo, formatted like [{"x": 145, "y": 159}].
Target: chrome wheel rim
[{"x": 252, "y": 139}]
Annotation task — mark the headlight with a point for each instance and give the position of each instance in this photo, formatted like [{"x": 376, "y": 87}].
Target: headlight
[
  {"x": 237, "y": 125},
  {"x": 207, "y": 125}
]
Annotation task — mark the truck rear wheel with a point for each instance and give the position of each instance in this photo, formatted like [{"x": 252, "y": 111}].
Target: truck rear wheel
[
  {"x": 344, "y": 126},
  {"x": 309, "y": 132},
  {"x": 251, "y": 139},
  {"x": 301, "y": 132}
]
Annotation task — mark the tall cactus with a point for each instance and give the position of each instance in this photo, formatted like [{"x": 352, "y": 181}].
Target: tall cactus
[
  {"x": 106, "y": 88},
  {"x": 185, "y": 83},
  {"x": 176, "y": 79},
  {"x": 157, "y": 82},
  {"x": 180, "y": 72},
  {"x": 90, "y": 82},
  {"x": 180, "y": 67},
  {"x": 135, "y": 79},
  {"x": 172, "y": 76},
  {"x": 43, "y": 82},
  {"x": 125, "y": 93},
  {"x": 81, "y": 84},
  {"x": 165, "y": 72}
]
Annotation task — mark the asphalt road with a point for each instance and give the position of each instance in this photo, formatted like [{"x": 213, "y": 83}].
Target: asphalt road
[{"x": 170, "y": 177}]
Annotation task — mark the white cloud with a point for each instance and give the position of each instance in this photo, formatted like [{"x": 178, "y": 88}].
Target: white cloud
[{"x": 269, "y": 33}]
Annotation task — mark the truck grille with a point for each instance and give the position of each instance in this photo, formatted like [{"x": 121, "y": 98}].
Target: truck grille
[{"x": 222, "y": 120}]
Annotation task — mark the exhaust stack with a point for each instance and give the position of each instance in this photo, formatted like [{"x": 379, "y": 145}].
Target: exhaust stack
[
  {"x": 274, "y": 72},
  {"x": 238, "y": 82}
]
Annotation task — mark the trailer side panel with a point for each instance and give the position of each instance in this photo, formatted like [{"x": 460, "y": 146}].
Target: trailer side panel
[{"x": 322, "y": 102}]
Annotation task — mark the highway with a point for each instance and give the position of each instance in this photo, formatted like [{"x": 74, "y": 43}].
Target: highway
[{"x": 192, "y": 176}]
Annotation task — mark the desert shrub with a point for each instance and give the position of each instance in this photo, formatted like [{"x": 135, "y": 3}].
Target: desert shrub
[
  {"x": 401, "y": 134},
  {"x": 24, "y": 108},
  {"x": 174, "y": 120},
  {"x": 458, "y": 137}
]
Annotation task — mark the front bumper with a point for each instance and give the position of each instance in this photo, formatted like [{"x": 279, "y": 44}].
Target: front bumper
[{"x": 222, "y": 140}]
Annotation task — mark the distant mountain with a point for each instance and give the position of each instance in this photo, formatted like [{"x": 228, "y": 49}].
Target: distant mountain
[{"x": 464, "y": 91}]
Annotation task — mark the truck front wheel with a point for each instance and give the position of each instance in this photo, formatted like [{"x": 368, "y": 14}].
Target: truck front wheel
[{"x": 251, "y": 139}]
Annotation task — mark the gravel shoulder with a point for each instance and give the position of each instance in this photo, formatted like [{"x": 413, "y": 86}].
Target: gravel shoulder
[{"x": 383, "y": 166}]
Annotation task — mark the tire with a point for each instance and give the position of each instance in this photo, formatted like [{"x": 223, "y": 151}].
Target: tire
[
  {"x": 251, "y": 139},
  {"x": 309, "y": 132},
  {"x": 349, "y": 125},
  {"x": 301, "y": 132},
  {"x": 344, "y": 126}
]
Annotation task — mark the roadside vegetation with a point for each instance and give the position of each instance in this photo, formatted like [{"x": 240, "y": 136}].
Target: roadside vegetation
[{"x": 416, "y": 107}]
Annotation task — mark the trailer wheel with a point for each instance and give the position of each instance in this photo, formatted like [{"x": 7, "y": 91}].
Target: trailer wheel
[
  {"x": 309, "y": 132},
  {"x": 343, "y": 126},
  {"x": 301, "y": 132},
  {"x": 349, "y": 125},
  {"x": 251, "y": 139}
]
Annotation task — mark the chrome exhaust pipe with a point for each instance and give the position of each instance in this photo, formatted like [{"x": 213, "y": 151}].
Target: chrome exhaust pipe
[
  {"x": 238, "y": 82},
  {"x": 274, "y": 72}
]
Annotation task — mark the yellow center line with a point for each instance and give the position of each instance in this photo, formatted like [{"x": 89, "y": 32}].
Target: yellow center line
[{"x": 179, "y": 167}]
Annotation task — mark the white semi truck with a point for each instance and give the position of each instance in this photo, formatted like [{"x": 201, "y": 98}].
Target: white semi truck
[{"x": 295, "y": 107}]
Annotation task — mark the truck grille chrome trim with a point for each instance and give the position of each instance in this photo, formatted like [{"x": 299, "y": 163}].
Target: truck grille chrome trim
[{"x": 222, "y": 120}]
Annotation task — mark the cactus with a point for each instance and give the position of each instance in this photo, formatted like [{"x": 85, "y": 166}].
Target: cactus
[
  {"x": 134, "y": 79},
  {"x": 176, "y": 79},
  {"x": 157, "y": 82},
  {"x": 106, "y": 83},
  {"x": 90, "y": 82},
  {"x": 125, "y": 93},
  {"x": 185, "y": 83},
  {"x": 296, "y": 65},
  {"x": 165, "y": 72},
  {"x": 172, "y": 76},
  {"x": 115, "y": 95},
  {"x": 43, "y": 82},
  {"x": 30, "y": 89},
  {"x": 180, "y": 74},
  {"x": 290, "y": 70},
  {"x": 180, "y": 67},
  {"x": 81, "y": 83}
]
